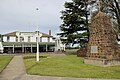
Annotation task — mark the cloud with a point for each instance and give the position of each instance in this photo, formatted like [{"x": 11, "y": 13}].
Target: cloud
[{"x": 22, "y": 15}]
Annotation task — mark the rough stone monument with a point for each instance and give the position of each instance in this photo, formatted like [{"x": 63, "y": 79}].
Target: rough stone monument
[{"x": 102, "y": 46}]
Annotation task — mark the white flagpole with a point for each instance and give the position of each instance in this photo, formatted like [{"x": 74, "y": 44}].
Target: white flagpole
[{"x": 37, "y": 54}]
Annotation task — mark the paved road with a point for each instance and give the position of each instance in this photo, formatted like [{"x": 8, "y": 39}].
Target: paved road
[{"x": 16, "y": 71}]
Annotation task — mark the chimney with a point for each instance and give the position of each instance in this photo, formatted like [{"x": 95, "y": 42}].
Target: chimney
[{"x": 50, "y": 32}]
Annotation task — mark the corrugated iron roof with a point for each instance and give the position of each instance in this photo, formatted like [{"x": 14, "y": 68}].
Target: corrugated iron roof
[{"x": 11, "y": 34}]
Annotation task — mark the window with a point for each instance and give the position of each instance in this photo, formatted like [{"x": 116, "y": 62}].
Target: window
[
  {"x": 21, "y": 39},
  {"x": 28, "y": 38},
  {"x": 8, "y": 38}
]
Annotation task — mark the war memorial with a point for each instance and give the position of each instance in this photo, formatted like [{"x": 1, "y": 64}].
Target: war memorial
[{"x": 102, "y": 47}]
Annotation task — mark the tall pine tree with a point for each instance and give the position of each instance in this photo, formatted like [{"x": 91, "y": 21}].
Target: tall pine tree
[{"x": 75, "y": 20}]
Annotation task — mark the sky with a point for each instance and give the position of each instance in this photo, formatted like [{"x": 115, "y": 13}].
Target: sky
[{"x": 21, "y": 15}]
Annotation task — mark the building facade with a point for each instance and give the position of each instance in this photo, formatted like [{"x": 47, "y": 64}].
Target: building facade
[
  {"x": 59, "y": 46},
  {"x": 26, "y": 42}
]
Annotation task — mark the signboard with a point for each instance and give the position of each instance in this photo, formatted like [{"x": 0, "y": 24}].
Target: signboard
[{"x": 94, "y": 49}]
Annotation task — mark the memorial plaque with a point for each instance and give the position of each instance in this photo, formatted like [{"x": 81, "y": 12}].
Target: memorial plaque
[{"x": 94, "y": 49}]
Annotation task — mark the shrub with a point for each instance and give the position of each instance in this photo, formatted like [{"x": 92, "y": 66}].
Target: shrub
[{"x": 82, "y": 52}]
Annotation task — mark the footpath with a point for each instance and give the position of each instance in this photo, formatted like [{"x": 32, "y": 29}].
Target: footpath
[{"x": 16, "y": 71}]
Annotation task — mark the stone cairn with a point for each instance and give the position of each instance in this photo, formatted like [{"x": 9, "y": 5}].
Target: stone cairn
[{"x": 102, "y": 40}]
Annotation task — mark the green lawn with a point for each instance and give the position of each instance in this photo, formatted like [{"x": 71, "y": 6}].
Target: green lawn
[
  {"x": 4, "y": 60},
  {"x": 69, "y": 66}
]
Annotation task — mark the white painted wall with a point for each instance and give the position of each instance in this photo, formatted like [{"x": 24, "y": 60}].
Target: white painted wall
[
  {"x": 1, "y": 47},
  {"x": 12, "y": 39},
  {"x": 32, "y": 39},
  {"x": 51, "y": 40},
  {"x": 25, "y": 38},
  {"x": 59, "y": 45},
  {"x": 4, "y": 38},
  {"x": 44, "y": 39}
]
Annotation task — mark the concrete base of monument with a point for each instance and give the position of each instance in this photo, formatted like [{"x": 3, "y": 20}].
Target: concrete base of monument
[{"x": 102, "y": 62}]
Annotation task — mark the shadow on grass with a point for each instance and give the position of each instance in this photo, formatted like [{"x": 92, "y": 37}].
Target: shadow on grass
[{"x": 30, "y": 57}]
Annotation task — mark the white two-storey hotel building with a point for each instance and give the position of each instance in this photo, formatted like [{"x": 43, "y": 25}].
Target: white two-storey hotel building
[{"x": 26, "y": 42}]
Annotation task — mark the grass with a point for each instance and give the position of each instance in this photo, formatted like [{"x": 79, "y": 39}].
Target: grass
[
  {"x": 4, "y": 61},
  {"x": 69, "y": 66}
]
